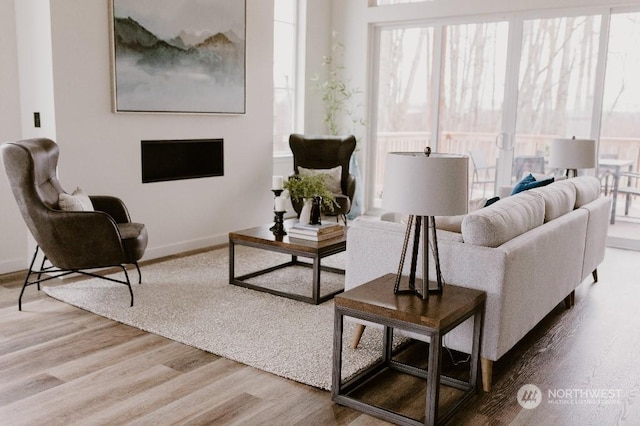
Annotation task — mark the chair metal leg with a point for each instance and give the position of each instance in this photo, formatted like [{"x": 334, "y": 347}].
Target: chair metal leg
[
  {"x": 139, "y": 273},
  {"x": 26, "y": 279},
  {"x": 128, "y": 283},
  {"x": 62, "y": 272}
]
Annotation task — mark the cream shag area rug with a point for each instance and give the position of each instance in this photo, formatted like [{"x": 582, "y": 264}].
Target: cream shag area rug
[{"x": 189, "y": 300}]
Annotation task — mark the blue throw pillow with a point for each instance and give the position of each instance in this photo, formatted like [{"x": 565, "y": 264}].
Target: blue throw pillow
[{"x": 529, "y": 182}]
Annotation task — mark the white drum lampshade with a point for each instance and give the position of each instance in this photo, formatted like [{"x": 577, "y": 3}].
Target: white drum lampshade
[
  {"x": 437, "y": 185},
  {"x": 572, "y": 154},
  {"x": 425, "y": 186}
]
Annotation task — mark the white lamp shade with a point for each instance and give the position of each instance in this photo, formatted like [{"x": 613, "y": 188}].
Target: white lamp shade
[
  {"x": 572, "y": 154},
  {"x": 426, "y": 186}
]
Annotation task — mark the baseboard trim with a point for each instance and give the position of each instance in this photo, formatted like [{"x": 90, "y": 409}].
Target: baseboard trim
[
  {"x": 13, "y": 265},
  {"x": 184, "y": 246},
  {"x": 17, "y": 265},
  {"x": 623, "y": 243}
]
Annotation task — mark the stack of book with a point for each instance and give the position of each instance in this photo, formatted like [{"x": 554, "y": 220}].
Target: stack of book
[{"x": 321, "y": 232}]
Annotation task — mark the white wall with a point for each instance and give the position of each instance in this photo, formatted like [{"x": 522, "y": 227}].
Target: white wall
[
  {"x": 13, "y": 233},
  {"x": 100, "y": 150}
]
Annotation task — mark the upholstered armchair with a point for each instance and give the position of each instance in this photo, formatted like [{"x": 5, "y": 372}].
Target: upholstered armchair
[
  {"x": 75, "y": 232},
  {"x": 326, "y": 154}
]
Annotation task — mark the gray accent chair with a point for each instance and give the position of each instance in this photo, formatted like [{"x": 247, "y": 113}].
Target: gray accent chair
[
  {"x": 71, "y": 241},
  {"x": 326, "y": 152}
]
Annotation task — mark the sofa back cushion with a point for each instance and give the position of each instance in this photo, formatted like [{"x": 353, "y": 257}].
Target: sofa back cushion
[
  {"x": 500, "y": 222},
  {"x": 559, "y": 199},
  {"x": 587, "y": 189}
]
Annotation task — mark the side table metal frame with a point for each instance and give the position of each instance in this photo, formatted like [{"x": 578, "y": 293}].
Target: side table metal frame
[{"x": 340, "y": 391}]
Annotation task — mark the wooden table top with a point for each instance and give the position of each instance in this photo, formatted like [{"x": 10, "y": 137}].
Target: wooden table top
[
  {"x": 438, "y": 312},
  {"x": 262, "y": 235}
]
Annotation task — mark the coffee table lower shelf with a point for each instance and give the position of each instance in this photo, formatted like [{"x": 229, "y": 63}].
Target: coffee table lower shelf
[
  {"x": 316, "y": 298},
  {"x": 261, "y": 237}
]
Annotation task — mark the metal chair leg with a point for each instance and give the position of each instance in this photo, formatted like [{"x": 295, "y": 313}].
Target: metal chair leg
[
  {"x": 128, "y": 283},
  {"x": 26, "y": 279},
  {"x": 139, "y": 273}
]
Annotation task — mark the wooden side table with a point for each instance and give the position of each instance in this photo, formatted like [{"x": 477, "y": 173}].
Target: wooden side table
[{"x": 375, "y": 301}]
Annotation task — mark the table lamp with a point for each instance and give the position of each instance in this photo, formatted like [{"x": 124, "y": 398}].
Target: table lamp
[
  {"x": 572, "y": 154},
  {"x": 424, "y": 185}
]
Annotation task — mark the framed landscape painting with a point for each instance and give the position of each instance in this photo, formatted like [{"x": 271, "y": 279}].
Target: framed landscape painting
[{"x": 185, "y": 56}]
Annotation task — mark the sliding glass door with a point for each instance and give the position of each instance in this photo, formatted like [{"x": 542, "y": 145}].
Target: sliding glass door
[
  {"x": 472, "y": 97},
  {"x": 619, "y": 131},
  {"x": 558, "y": 62},
  {"x": 500, "y": 91},
  {"x": 404, "y": 84},
  {"x": 442, "y": 87}
]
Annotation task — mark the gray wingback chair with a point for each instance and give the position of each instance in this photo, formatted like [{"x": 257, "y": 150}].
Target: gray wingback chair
[
  {"x": 326, "y": 152},
  {"x": 71, "y": 241}
]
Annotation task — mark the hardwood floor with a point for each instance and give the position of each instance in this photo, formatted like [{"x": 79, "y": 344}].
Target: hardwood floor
[{"x": 63, "y": 365}]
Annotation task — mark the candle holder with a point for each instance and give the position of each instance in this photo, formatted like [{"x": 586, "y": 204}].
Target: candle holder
[
  {"x": 276, "y": 193},
  {"x": 278, "y": 227}
]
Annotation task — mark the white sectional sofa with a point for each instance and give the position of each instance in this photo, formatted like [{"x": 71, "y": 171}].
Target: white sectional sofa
[{"x": 528, "y": 252}]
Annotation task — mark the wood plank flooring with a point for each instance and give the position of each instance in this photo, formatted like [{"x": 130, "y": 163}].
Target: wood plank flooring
[{"x": 60, "y": 365}]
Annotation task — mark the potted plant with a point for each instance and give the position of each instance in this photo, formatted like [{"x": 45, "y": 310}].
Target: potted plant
[
  {"x": 342, "y": 113},
  {"x": 304, "y": 188}
]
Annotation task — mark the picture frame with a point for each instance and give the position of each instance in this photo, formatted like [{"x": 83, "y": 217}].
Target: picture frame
[{"x": 178, "y": 57}]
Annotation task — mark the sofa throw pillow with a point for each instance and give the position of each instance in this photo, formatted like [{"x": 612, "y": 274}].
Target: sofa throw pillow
[
  {"x": 77, "y": 201},
  {"x": 333, "y": 179},
  {"x": 530, "y": 182}
]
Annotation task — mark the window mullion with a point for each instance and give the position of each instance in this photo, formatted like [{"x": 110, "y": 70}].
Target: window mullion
[
  {"x": 438, "y": 66},
  {"x": 598, "y": 94}
]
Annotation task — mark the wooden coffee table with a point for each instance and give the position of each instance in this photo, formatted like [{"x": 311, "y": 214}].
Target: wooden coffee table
[{"x": 261, "y": 237}]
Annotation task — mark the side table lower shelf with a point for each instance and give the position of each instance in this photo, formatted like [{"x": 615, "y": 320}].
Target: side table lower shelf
[{"x": 433, "y": 318}]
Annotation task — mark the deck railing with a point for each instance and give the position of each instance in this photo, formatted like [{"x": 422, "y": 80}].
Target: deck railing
[{"x": 463, "y": 142}]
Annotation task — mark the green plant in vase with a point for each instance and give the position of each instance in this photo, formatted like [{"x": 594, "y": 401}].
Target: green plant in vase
[{"x": 306, "y": 187}]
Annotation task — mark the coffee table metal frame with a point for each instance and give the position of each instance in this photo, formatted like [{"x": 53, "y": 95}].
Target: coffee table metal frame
[
  {"x": 261, "y": 237},
  {"x": 378, "y": 306}
]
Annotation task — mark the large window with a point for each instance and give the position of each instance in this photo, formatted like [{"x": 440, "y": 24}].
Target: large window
[
  {"x": 620, "y": 133},
  {"x": 557, "y": 81},
  {"x": 404, "y": 83},
  {"x": 503, "y": 90},
  {"x": 285, "y": 36}
]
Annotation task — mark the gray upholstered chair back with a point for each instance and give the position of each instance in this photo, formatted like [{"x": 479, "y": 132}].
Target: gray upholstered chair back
[
  {"x": 323, "y": 152},
  {"x": 31, "y": 168},
  {"x": 69, "y": 239}
]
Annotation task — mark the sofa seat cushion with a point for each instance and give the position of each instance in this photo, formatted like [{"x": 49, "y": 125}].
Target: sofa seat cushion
[
  {"x": 500, "y": 222},
  {"x": 559, "y": 199},
  {"x": 587, "y": 189}
]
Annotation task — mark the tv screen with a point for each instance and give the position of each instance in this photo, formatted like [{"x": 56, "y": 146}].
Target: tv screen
[{"x": 164, "y": 160}]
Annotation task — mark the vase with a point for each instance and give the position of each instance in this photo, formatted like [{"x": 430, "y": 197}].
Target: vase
[
  {"x": 315, "y": 210},
  {"x": 305, "y": 213},
  {"x": 356, "y": 203}
]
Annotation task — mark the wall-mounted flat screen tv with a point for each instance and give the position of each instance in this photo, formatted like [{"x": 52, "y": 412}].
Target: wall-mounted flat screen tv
[{"x": 164, "y": 160}]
